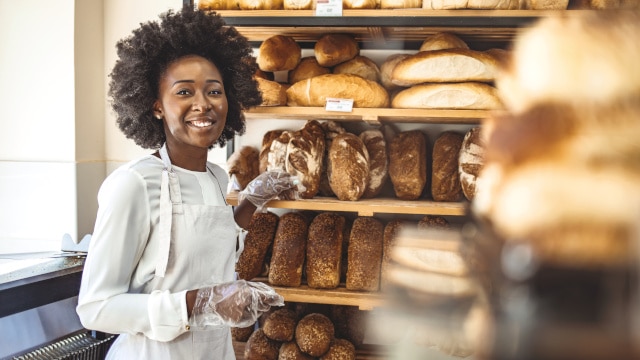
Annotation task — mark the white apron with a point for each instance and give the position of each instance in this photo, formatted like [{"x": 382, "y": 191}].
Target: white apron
[{"x": 197, "y": 247}]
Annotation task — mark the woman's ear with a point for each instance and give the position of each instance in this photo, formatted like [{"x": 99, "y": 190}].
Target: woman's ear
[{"x": 157, "y": 110}]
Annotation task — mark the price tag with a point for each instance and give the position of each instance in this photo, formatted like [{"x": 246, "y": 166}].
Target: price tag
[
  {"x": 342, "y": 105},
  {"x": 329, "y": 8}
]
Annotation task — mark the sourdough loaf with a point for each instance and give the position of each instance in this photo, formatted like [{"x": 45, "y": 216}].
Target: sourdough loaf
[
  {"x": 273, "y": 93},
  {"x": 324, "y": 250},
  {"x": 307, "y": 68},
  {"x": 298, "y": 4},
  {"x": 442, "y": 41},
  {"x": 277, "y": 156},
  {"x": 389, "y": 237},
  {"x": 243, "y": 165},
  {"x": 265, "y": 148},
  {"x": 289, "y": 249},
  {"x": 304, "y": 155},
  {"x": 471, "y": 4},
  {"x": 400, "y": 4},
  {"x": 445, "y": 180},
  {"x": 331, "y": 130},
  {"x": 314, "y": 334},
  {"x": 257, "y": 243},
  {"x": 365, "y": 254},
  {"x": 470, "y": 161},
  {"x": 386, "y": 69},
  {"x": 348, "y": 167},
  {"x": 333, "y": 49},
  {"x": 316, "y": 90},
  {"x": 468, "y": 95},
  {"x": 361, "y": 66},
  {"x": 432, "y": 222},
  {"x": 279, "y": 53},
  {"x": 359, "y": 4},
  {"x": 376, "y": 146},
  {"x": 218, "y": 5},
  {"x": 408, "y": 164}
]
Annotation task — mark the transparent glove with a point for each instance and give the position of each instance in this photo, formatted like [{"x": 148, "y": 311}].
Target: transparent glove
[
  {"x": 237, "y": 303},
  {"x": 272, "y": 184}
]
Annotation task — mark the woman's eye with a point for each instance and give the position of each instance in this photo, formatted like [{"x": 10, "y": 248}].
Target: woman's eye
[
  {"x": 183, "y": 92},
  {"x": 215, "y": 92}
]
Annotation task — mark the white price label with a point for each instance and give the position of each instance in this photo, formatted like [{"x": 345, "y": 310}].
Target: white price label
[
  {"x": 342, "y": 105},
  {"x": 329, "y": 8}
]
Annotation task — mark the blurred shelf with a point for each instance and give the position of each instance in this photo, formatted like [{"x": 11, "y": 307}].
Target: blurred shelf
[{"x": 339, "y": 296}]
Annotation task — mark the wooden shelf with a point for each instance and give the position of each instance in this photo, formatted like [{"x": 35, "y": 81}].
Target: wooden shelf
[
  {"x": 366, "y": 207},
  {"x": 338, "y": 296},
  {"x": 371, "y": 115}
]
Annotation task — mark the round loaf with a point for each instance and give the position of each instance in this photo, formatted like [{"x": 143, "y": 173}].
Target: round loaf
[
  {"x": 280, "y": 325},
  {"x": 471, "y": 4},
  {"x": 273, "y": 93},
  {"x": 442, "y": 41},
  {"x": 445, "y": 180},
  {"x": 243, "y": 165},
  {"x": 333, "y": 49},
  {"x": 386, "y": 70},
  {"x": 291, "y": 351},
  {"x": 470, "y": 161},
  {"x": 316, "y": 90},
  {"x": 376, "y": 146},
  {"x": 359, "y": 4},
  {"x": 218, "y": 5},
  {"x": 260, "y": 4},
  {"x": 324, "y": 251},
  {"x": 350, "y": 323},
  {"x": 267, "y": 75},
  {"x": 260, "y": 347},
  {"x": 361, "y": 66},
  {"x": 348, "y": 167},
  {"x": 547, "y": 4},
  {"x": 242, "y": 334},
  {"x": 340, "y": 349},
  {"x": 314, "y": 334},
  {"x": 408, "y": 164},
  {"x": 433, "y": 222},
  {"x": 400, "y": 4},
  {"x": 307, "y": 68},
  {"x": 279, "y": 53},
  {"x": 298, "y": 4},
  {"x": 289, "y": 249},
  {"x": 469, "y": 95}
]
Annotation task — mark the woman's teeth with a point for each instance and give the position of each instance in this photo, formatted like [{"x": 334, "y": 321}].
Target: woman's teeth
[{"x": 201, "y": 123}]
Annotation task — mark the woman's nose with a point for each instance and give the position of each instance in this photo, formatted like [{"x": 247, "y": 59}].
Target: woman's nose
[{"x": 200, "y": 103}]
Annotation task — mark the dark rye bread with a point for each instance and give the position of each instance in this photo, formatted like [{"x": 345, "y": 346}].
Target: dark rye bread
[
  {"x": 445, "y": 180},
  {"x": 324, "y": 249},
  {"x": 349, "y": 322},
  {"x": 280, "y": 325},
  {"x": 314, "y": 334},
  {"x": 260, "y": 347},
  {"x": 365, "y": 254},
  {"x": 378, "y": 161},
  {"x": 289, "y": 249},
  {"x": 408, "y": 166},
  {"x": 471, "y": 161},
  {"x": 433, "y": 222},
  {"x": 260, "y": 234},
  {"x": 291, "y": 351},
  {"x": 242, "y": 334},
  {"x": 348, "y": 167},
  {"x": 391, "y": 231},
  {"x": 340, "y": 349}
]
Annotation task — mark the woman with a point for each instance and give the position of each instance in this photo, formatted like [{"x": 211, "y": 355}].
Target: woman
[{"x": 160, "y": 266}]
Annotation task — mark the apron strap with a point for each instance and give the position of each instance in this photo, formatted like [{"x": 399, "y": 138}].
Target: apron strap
[{"x": 169, "y": 196}]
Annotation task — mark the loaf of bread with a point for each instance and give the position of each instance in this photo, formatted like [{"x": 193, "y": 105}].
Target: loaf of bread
[
  {"x": 408, "y": 164},
  {"x": 305, "y": 153},
  {"x": 242, "y": 334},
  {"x": 331, "y": 130},
  {"x": 450, "y": 65},
  {"x": 468, "y": 95},
  {"x": 298, "y": 4},
  {"x": 350, "y": 323},
  {"x": 289, "y": 249},
  {"x": 432, "y": 222},
  {"x": 280, "y": 325},
  {"x": 260, "y": 4},
  {"x": 442, "y": 41},
  {"x": 316, "y": 90},
  {"x": 263, "y": 156},
  {"x": 365, "y": 254},
  {"x": 445, "y": 180},
  {"x": 273, "y": 93},
  {"x": 260, "y": 233},
  {"x": 386, "y": 70},
  {"x": 307, "y": 68},
  {"x": 471, "y": 4},
  {"x": 243, "y": 165},
  {"x": 470, "y": 161},
  {"x": 547, "y": 4},
  {"x": 348, "y": 167},
  {"x": 277, "y": 156},
  {"x": 344, "y": 263},
  {"x": 431, "y": 283},
  {"x": 260, "y": 347},
  {"x": 340, "y": 349},
  {"x": 279, "y": 53},
  {"x": 400, "y": 4},
  {"x": 361, "y": 66},
  {"x": 314, "y": 334},
  {"x": 389, "y": 237},
  {"x": 359, "y": 4},
  {"x": 291, "y": 351},
  {"x": 218, "y": 5},
  {"x": 376, "y": 147},
  {"x": 333, "y": 49},
  {"x": 324, "y": 250}
]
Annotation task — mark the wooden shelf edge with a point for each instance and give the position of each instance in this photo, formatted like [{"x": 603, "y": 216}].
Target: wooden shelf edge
[
  {"x": 338, "y": 296},
  {"x": 366, "y": 207}
]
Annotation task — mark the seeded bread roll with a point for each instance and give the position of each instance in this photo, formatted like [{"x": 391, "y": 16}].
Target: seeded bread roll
[
  {"x": 365, "y": 254},
  {"x": 260, "y": 233},
  {"x": 314, "y": 334},
  {"x": 243, "y": 164},
  {"x": 242, "y": 334},
  {"x": 280, "y": 325},
  {"x": 324, "y": 249},
  {"x": 361, "y": 66},
  {"x": 307, "y": 68},
  {"x": 305, "y": 153},
  {"x": 331, "y": 130},
  {"x": 291, "y": 351},
  {"x": 350, "y": 323},
  {"x": 260, "y": 347},
  {"x": 378, "y": 161},
  {"x": 333, "y": 49},
  {"x": 279, "y": 53},
  {"x": 340, "y": 349},
  {"x": 348, "y": 167},
  {"x": 442, "y": 41},
  {"x": 267, "y": 139},
  {"x": 470, "y": 161},
  {"x": 273, "y": 93},
  {"x": 289, "y": 249},
  {"x": 408, "y": 164},
  {"x": 315, "y": 91},
  {"x": 466, "y": 95},
  {"x": 445, "y": 180}
]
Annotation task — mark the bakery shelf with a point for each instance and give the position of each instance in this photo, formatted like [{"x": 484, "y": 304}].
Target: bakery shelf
[
  {"x": 339, "y": 296},
  {"x": 366, "y": 207},
  {"x": 364, "y": 352},
  {"x": 372, "y": 115}
]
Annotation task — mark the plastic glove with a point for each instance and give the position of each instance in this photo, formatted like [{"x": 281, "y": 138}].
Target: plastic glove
[
  {"x": 237, "y": 303},
  {"x": 270, "y": 185}
]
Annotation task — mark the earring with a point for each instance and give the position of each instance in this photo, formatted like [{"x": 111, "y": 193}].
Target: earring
[{"x": 159, "y": 117}]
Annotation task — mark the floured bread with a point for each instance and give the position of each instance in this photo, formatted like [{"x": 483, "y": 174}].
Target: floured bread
[
  {"x": 316, "y": 90},
  {"x": 442, "y": 41},
  {"x": 305, "y": 152},
  {"x": 243, "y": 165},
  {"x": 471, "y": 160},
  {"x": 348, "y": 167},
  {"x": 386, "y": 69},
  {"x": 298, "y": 4},
  {"x": 400, "y": 4},
  {"x": 469, "y": 95}
]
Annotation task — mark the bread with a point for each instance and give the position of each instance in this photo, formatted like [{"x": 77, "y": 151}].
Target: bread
[
  {"x": 400, "y": 4},
  {"x": 273, "y": 93},
  {"x": 324, "y": 249},
  {"x": 433, "y": 222},
  {"x": 376, "y": 146},
  {"x": 359, "y": 4},
  {"x": 331, "y": 130},
  {"x": 546, "y": 4},
  {"x": 361, "y": 66},
  {"x": 314, "y": 334},
  {"x": 471, "y": 4},
  {"x": 431, "y": 283},
  {"x": 333, "y": 49},
  {"x": 348, "y": 167},
  {"x": 305, "y": 153},
  {"x": 260, "y": 4},
  {"x": 450, "y": 65},
  {"x": 291, "y": 351},
  {"x": 316, "y": 90},
  {"x": 218, "y": 5},
  {"x": 308, "y": 67},
  {"x": 260, "y": 347},
  {"x": 279, "y": 53},
  {"x": 280, "y": 325},
  {"x": 350, "y": 323},
  {"x": 277, "y": 156},
  {"x": 469, "y": 95},
  {"x": 340, "y": 349},
  {"x": 365, "y": 254},
  {"x": 386, "y": 69},
  {"x": 445, "y": 180},
  {"x": 613, "y": 4},
  {"x": 298, "y": 4},
  {"x": 408, "y": 164},
  {"x": 470, "y": 161},
  {"x": 389, "y": 237},
  {"x": 289, "y": 249},
  {"x": 260, "y": 233},
  {"x": 442, "y": 41},
  {"x": 242, "y": 334},
  {"x": 263, "y": 156},
  {"x": 243, "y": 165}
]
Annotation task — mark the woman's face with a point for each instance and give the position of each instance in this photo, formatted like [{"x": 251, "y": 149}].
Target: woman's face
[{"x": 192, "y": 103}]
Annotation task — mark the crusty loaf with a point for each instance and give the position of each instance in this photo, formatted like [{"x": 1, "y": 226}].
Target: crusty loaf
[
  {"x": 378, "y": 161},
  {"x": 361, "y": 66},
  {"x": 314, "y": 334},
  {"x": 277, "y": 156},
  {"x": 408, "y": 164},
  {"x": 289, "y": 249},
  {"x": 331, "y": 130},
  {"x": 546, "y": 4},
  {"x": 365, "y": 254},
  {"x": 442, "y": 41},
  {"x": 307, "y": 68},
  {"x": 449, "y": 65},
  {"x": 260, "y": 347},
  {"x": 305, "y": 153},
  {"x": 470, "y": 161},
  {"x": 267, "y": 75},
  {"x": 280, "y": 325},
  {"x": 316, "y": 90},
  {"x": 218, "y": 5},
  {"x": 279, "y": 53},
  {"x": 324, "y": 250},
  {"x": 359, "y": 4},
  {"x": 260, "y": 4},
  {"x": 386, "y": 69},
  {"x": 261, "y": 231},
  {"x": 273, "y": 93},
  {"x": 471, "y": 4},
  {"x": 467, "y": 95},
  {"x": 267, "y": 139},
  {"x": 333, "y": 49},
  {"x": 400, "y": 4},
  {"x": 445, "y": 180},
  {"x": 298, "y": 4},
  {"x": 243, "y": 165},
  {"x": 348, "y": 167},
  {"x": 291, "y": 351}
]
